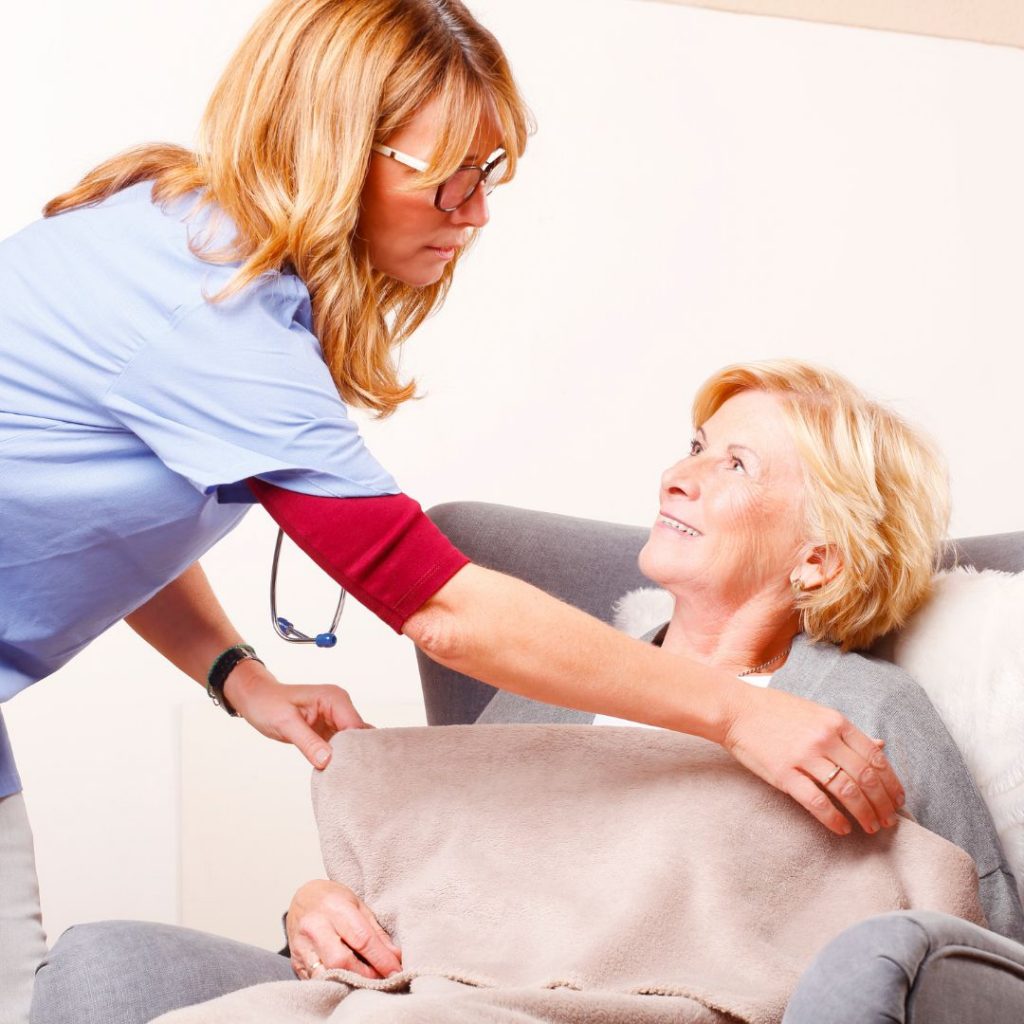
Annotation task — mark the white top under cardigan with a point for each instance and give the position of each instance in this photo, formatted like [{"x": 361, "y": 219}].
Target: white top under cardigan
[{"x": 755, "y": 679}]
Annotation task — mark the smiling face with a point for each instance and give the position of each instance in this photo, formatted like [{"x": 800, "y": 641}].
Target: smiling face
[
  {"x": 731, "y": 522},
  {"x": 407, "y": 237}
]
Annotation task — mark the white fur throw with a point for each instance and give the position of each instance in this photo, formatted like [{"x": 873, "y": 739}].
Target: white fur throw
[{"x": 965, "y": 647}]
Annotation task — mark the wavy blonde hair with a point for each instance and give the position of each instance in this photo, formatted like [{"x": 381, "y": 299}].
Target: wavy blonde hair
[
  {"x": 284, "y": 147},
  {"x": 877, "y": 492}
]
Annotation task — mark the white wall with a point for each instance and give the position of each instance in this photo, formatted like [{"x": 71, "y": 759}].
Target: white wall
[{"x": 704, "y": 188}]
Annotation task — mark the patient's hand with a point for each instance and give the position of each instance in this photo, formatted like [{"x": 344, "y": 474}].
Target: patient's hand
[{"x": 328, "y": 924}]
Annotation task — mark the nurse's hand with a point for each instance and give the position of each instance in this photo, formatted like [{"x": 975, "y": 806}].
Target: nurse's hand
[
  {"x": 817, "y": 756},
  {"x": 328, "y": 925},
  {"x": 306, "y": 716}
]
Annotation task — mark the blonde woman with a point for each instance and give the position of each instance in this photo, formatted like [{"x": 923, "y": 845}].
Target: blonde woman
[{"x": 184, "y": 330}]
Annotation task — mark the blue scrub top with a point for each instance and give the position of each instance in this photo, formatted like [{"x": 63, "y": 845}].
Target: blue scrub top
[{"x": 131, "y": 409}]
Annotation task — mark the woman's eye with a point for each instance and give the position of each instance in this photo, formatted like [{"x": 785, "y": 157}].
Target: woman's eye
[
  {"x": 695, "y": 448},
  {"x": 738, "y": 464}
]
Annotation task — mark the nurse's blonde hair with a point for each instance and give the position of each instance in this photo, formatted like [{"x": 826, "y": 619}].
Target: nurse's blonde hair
[
  {"x": 284, "y": 147},
  {"x": 877, "y": 493}
]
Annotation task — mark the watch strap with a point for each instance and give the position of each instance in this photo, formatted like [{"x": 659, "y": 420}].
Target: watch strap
[{"x": 222, "y": 668}]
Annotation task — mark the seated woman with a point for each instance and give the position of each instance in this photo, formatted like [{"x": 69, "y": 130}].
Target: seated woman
[{"x": 802, "y": 525}]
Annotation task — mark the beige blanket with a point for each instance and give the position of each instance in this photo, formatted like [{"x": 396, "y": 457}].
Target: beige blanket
[{"x": 564, "y": 873}]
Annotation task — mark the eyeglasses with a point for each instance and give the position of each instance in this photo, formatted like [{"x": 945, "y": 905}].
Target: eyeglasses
[{"x": 459, "y": 188}]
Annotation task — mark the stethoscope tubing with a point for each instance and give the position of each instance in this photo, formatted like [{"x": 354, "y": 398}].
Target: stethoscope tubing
[{"x": 282, "y": 627}]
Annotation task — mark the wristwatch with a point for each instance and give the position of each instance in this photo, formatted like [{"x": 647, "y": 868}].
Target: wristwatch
[{"x": 220, "y": 671}]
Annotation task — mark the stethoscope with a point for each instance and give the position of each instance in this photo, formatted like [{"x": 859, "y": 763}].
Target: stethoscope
[{"x": 284, "y": 629}]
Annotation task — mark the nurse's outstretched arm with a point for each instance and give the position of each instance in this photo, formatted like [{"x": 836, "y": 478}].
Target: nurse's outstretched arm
[
  {"x": 518, "y": 638},
  {"x": 509, "y": 634},
  {"x": 187, "y": 625}
]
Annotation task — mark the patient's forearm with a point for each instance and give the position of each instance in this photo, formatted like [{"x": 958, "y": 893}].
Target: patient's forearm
[{"x": 516, "y": 637}]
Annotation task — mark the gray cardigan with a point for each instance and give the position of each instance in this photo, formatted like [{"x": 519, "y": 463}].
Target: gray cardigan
[{"x": 883, "y": 701}]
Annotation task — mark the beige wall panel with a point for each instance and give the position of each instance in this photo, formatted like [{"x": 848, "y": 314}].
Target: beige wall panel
[{"x": 985, "y": 21}]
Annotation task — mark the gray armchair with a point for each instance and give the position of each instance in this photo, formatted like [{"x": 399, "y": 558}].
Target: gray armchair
[{"x": 919, "y": 968}]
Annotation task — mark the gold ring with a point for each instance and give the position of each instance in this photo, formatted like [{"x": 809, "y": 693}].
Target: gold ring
[
  {"x": 315, "y": 966},
  {"x": 833, "y": 775}
]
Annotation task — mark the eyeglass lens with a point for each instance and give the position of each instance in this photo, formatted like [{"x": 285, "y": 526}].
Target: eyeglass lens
[{"x": 464, "y": 182}]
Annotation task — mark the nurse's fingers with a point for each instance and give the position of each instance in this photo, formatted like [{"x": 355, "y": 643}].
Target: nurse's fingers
[
  {"x": 812, "y": 799},
  {"x": 856, "y": 783},
  {"x": 312, "y": 746},
  {"x": 871, "y": 750},
  {"x": 306, "y": 716},
  {"x": 330, "y": 708},
  {"x": 789, "y": 741},
  {"x": 325, "y": 710}
]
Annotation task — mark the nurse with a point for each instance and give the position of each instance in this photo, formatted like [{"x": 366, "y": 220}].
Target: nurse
[{"x": 182, "y": 335}]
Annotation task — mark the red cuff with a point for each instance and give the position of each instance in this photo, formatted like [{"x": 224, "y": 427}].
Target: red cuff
[{"x": 384, "y": 551}]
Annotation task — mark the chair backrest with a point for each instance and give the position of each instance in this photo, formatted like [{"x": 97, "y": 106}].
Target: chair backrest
[{"x": 589, "y": 564}]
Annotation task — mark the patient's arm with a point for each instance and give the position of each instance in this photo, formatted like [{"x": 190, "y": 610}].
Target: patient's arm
[{"x": 328, "y": 925}]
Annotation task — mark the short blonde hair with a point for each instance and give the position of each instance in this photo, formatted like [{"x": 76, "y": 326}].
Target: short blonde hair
[
  {"x": 877, "y": 491},
  {"x": 284, "y": 147}
]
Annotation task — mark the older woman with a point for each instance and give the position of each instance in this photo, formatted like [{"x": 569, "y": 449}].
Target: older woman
[{"x": 802, "y": 525}]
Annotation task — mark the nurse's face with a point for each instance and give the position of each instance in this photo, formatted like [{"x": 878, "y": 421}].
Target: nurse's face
[{"x": 408, "y": 238}]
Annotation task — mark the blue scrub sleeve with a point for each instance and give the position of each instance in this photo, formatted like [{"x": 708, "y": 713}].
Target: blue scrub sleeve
[{"x": 240, "y": 389}]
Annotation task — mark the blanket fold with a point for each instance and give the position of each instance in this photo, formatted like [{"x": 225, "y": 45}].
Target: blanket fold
[{"x": 563, "y": 873}]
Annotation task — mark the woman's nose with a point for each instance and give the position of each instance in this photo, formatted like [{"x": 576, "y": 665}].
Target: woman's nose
[
  {"x": 681, "y": 480},
  {"x": 473, "y": 211}
]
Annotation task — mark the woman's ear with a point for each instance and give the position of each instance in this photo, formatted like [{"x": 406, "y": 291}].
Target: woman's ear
[{"x": 819, "y": 564}]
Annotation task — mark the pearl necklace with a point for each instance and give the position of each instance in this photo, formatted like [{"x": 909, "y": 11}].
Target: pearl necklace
[{"x": 765, "y": 664}]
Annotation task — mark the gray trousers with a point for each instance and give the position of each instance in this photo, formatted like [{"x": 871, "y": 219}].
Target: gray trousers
[
  {"x": 907, "y": 968},
  {"x": 22, "y": 940},
  {"x": 913, "y": 967},
  {"x": 130, "y": 972}
]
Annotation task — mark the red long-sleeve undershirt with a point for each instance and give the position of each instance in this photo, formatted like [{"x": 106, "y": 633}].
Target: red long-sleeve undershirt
[{"x": 384, "y": 551}]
